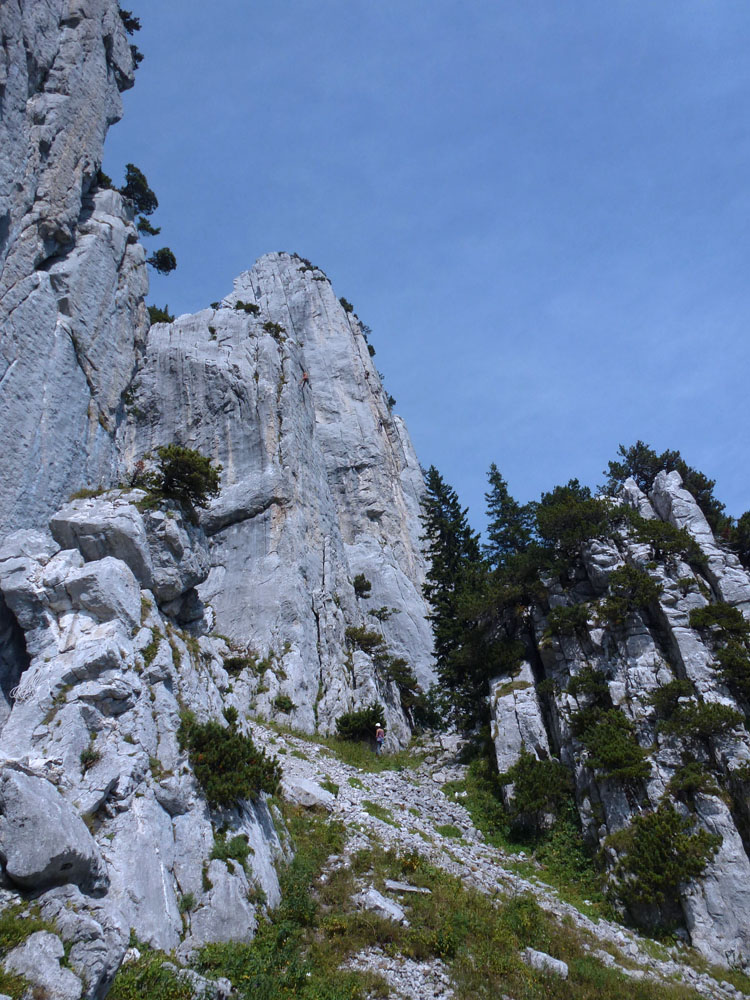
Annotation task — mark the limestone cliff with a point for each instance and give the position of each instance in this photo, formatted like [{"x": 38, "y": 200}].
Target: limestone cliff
[
  {"x": 320, "y": 484},
  {"x": 72, "y": 274},
  {"x": 115, "y": 617}
]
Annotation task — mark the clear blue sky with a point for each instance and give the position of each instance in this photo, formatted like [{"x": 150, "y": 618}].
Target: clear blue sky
[{"x": 540, "y": 208}]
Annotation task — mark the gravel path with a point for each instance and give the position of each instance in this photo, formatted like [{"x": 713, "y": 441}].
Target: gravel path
[{"x": 418, "y": 805}]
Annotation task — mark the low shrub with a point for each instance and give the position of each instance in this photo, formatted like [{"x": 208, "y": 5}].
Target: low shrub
[
  {"x": 630, "y": 590},
  {"x": 702, "y": 720},
  {"x": 248, "y": 307},
  {"x": 227, "y": 765},
  {"x": 666, "y": 698},
  {"x": 163, "y": 261},
  {"x": 567, "y": 620},
  {"x": 283, "y": 703},
  {"x": 276, "y": 330},
  {"x": 235, "y": 665},
  {"x": 360, "y": 725},
  {"x": 185, "y": 475},
  {"x": 666, "y": 540},
  {"x": 734, "y": 668},
  {"x": 237, "y": 848},
  {"x": 346, "y": 305},
  {"x": 540, "y": 789},
  {"x": 727, "y": 621},
  {"x": 160, "y": 315},
  {"x": 362, "y": 585},
  {"x": 689, "y": 780},
  {"x": 658, "y": 854},
  {"x": 610, "y": 740}
]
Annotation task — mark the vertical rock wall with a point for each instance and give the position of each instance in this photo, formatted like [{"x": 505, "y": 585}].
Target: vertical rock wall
[
  {"x": 320, "y": 483},
  {"x": 72, "y": 274}
]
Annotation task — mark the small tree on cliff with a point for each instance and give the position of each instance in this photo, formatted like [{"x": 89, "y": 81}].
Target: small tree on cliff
[
  {"x": 136, "y": 188},
  {"x": 185, "y": 475}
]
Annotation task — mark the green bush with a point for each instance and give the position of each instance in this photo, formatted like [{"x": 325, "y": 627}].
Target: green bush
[
  {"x": 158, "y": 315},
  {"x": 567, "y": 620},
  {"x": 659, "y": 853},
  {"x": 248, "y": 307},
  {"x": 729, "y": 622},
  {"x": 226, "y": 764},
  {"x": 185, "y": 475},
  {"x": 610, "y": 739},
  {"x": 275, "y": 329},
  {"x": 346, "y": 304},
  {"x": 360, "y": 725},
  {"x": 235, "y": 665},
  {"x": 361, "y": 637},
  {"x": 734, "y": 668},
  {"x": 592, "y": 684},
  {"x": 665, "y": 698},
  {"x": 283, "y": 703},
  {"x": 145, "y": 227},
  {"x": 666, "y": 541},
  {"x": 362, "y": 585},
  {"x": 149, "y": 979},
  {"x": 630, "y": 590},
  {"x": 541, "y": 788},
  {"x": 689, "y": 780},
  {"x": 702, "y": 720},
  {"x": 569, "y": 516},
  {"x": 235, "y": 849}
]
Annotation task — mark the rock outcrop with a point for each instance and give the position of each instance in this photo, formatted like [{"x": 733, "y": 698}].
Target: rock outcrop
[
  {"x": 100, "y": 815},
  {"x": 320, "y": 484},
  {"x": 656, "y": 644},
  {"x": 72, "y": 273}
]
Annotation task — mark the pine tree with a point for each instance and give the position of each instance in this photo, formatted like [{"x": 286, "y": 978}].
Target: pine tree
[
  {"x": 510, "y": 524},
  {"x": 455, "y": 565}
]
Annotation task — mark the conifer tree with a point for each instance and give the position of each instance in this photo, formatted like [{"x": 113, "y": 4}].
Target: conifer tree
[
  {"x": 510, "y": 524},
  {"x": 456, "y": 568}
]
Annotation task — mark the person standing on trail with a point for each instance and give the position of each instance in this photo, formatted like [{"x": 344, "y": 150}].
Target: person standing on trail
[{"x": 379, "y": 737}]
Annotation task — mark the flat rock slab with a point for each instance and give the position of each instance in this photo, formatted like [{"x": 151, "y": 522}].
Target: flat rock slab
[
  {"x": 306, "y": 793},
  {"x": 543, "y": 962},
  {"x": 376, "y": 902},
  {"x": 404, "y": 887}
]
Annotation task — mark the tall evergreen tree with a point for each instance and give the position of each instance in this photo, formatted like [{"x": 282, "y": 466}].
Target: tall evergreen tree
[
  {"x": 510, "y": 524},
  {"x": 452, "y": 547}
]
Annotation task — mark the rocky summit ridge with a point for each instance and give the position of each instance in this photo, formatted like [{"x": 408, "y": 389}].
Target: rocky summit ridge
[{"x": 127, "y": 625}]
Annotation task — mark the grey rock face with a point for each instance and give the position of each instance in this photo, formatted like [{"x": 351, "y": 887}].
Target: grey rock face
[
  {"x": 91, "y": 732},
  {"x": 43, "y": 841},
  {"x": 320, "y": 484},
  {"x": 38, "y": 960},
  {"x": 72, "y": 275},
  {"x": 655, "y": 646}
]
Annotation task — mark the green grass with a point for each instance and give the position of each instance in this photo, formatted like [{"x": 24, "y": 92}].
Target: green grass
[
  {"x": 379, "y": 812},
  {"x": 330, "y": 786},
  {"x": 359, "y": 755},
  {"x": 560, "y": 857},
  {"x": 448, "y": 830},
  {"x": 14, "y": 929},
  {"x": 298, "y": 952},
  {"x": 355, "y": 782}
]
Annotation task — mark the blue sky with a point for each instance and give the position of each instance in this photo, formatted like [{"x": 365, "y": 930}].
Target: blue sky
[{"x": 540, "y": 208}]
